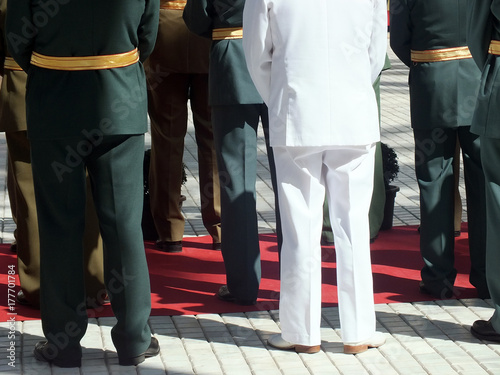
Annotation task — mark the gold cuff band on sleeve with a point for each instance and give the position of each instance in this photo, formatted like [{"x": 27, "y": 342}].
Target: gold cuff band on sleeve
[
  {"x": 443, "y": 54},
  {"x": 227, "y": 33},
  {"x": 175, "y": 5},
  {"x": 100, "y": 62},
  {"x": 11, "y": 64},
  {"x": 494, "y": 47}
]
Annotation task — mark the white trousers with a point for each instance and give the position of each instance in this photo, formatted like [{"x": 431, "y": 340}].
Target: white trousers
[{"x": 303, "y": 173}]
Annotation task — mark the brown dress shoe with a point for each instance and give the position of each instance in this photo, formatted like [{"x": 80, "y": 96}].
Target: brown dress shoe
[{"x": 378, "y": 339}]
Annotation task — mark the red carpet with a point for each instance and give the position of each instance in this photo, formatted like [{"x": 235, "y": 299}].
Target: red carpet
[{"x": 185, "y": 283}]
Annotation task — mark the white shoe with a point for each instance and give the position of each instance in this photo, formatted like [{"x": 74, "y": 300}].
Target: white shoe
[
  {"x": 378, "y": 339},
  {"x": 276, "y": 341}
]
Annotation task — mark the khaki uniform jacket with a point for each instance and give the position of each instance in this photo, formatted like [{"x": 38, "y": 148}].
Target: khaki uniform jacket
[
  {"x": 443, "y": 93},
  {"x": 177, "y": 49}
]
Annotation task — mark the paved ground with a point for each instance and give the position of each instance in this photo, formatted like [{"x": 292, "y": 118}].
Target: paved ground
[{"x": 422, "y": 337}]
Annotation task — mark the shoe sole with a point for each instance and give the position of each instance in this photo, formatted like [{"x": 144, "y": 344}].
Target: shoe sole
[
  {"x": 134, "y": 361},
  {"x": 63, "y": 363},
  {"x": 355, "y": 349},
  {"x": 480, "y": 336},
  {"x": 299, "y": 348},
  {"x": 234, "y": 300},
  {"x": 307, "y": 349}
]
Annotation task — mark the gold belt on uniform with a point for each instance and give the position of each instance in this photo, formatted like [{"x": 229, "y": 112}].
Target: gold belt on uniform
[
  {"x": 227, "y": 33},
  {"x": 11, "y": 64},
  {"x": 118, "y": 60},
  {"x": 494, "y": 47},
  {"x": 173, "y": 4},
  {"x": 442, "y": 54}
]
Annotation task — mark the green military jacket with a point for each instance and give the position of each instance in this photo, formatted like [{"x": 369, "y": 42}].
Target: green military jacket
[
  {"x": 61, "y": 103},
  {"x": 442, "y": 93},
  {"x": 177, "y": 49},
  {"x": 483, "y": 27},
  {"x": 229, "y": 80},
  {"x": 12, "y": 98}
]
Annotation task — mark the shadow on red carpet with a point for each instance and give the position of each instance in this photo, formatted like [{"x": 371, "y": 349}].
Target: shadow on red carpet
[{"x": 185, "y": 283}]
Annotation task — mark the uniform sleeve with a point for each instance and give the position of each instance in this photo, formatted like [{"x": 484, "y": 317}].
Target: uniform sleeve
[
  {"x": 378, "y": 44},
  {"x": 401, "y": 30},
  {"x": 257, "y": 44},
  {"x": 148, "y": 28},
  {"x": 479, "y": 29},
  {"x": 20, "y": 32},
  {"x": 198, "y": 18}
]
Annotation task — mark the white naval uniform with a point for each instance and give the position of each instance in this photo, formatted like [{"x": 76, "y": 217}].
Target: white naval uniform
[{"x": 314, "y": 65}]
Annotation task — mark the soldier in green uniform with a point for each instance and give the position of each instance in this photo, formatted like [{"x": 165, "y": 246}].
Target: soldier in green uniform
[
  {"x": 483, "y": 38},
  {"x": 86, "y": 110},
  {"x": 177, "y": 70},
  {"x": 21, "y": 191},
  {"x": 429, "y": 37},
  {"x": 236, "y": 110}
]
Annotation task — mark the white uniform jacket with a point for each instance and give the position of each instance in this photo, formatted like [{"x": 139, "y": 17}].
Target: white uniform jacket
[{"x": 314, "y": 64}]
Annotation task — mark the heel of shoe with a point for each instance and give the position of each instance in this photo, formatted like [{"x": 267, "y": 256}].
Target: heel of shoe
[
  {"x": 307, "y": 349},
  {"x": 133, "y": 361},
  {"x": 355, "y": 349}
]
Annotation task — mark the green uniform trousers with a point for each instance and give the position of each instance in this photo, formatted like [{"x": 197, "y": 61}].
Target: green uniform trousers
[
  {"x": 434, "y": 154},
  {"x": 235, "y": 138},
  {"x": 114, "y": 164},
  {"x": 23, "y": 207},
  {"x": 490, "y": 154}
]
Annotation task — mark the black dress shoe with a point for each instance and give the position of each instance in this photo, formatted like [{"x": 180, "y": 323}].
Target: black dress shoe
[
  {"x": 483, "y": 330},
  {"x": 439, "y": 294},
  {"x": 152, "y": 351},
  {"x": 225, "y": 295},
  {"x": 21, "y": 298},
  {"x": 483, "y": 293},
  {"x": 169, "y": 246},
  {"x": 44, "y": 352}
]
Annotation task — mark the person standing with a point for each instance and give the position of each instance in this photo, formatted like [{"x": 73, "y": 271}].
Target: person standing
[
  {"x": 316, "y": 75},
  {"x": 483, "y": 39},
  {"x": 86, "y": 110},
  {"x": 236, "y": 110},
  {"x": 22, "y": 195},
  {"x": 177, "y": 71},
  {"x": 429, "y": 37}
]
